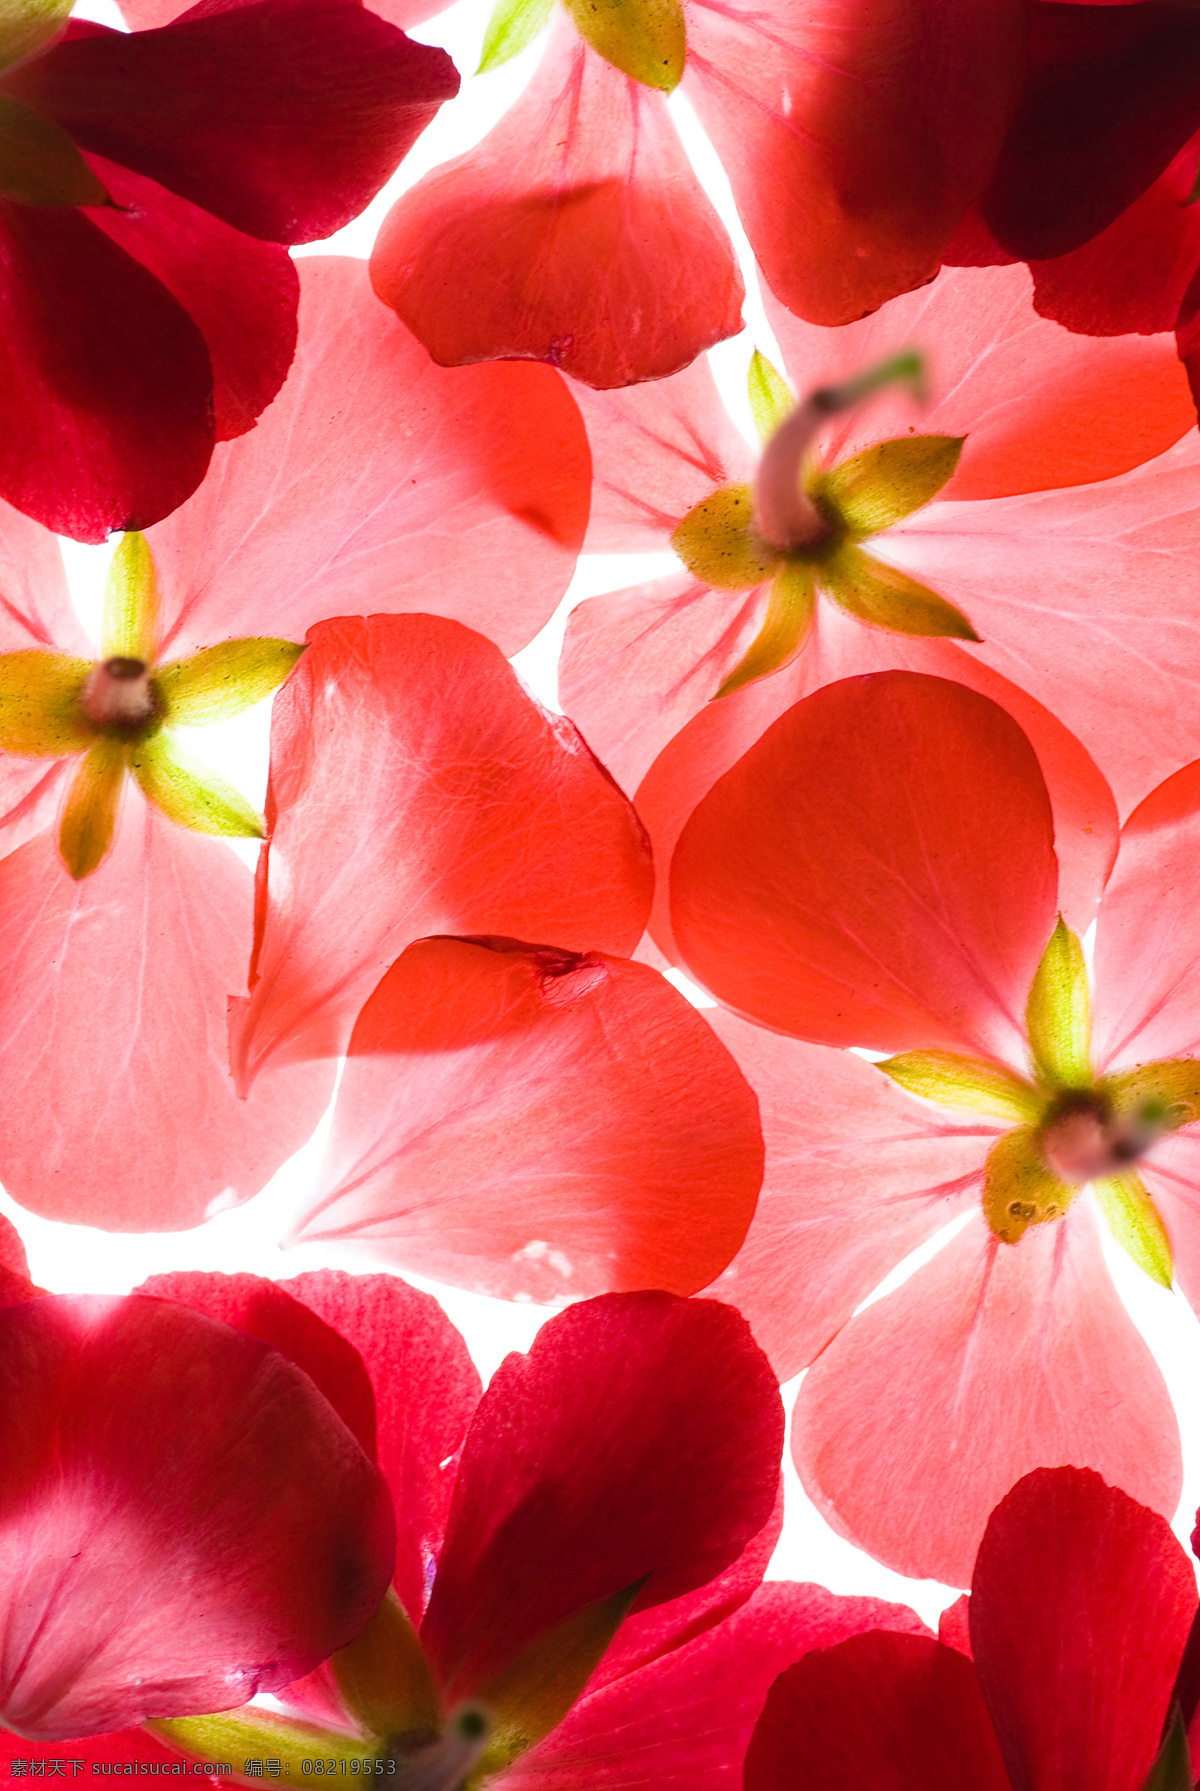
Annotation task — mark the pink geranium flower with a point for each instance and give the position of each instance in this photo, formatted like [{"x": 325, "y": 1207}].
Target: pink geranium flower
[
  {"x": 1059, "y": 1672},
  {"x": 880, "y": 871},
  {"x": 145, "y": 180}
]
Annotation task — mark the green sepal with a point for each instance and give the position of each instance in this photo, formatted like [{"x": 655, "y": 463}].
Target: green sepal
[
  {"x": 717, "y": 543},
  {"x": 1162, "y": 1097},
  {"x": 512, "y": 27},
  {"x": 1058, "y": 1014},
  {"x": 785, "y": 626},
  {"x": 771, "y": 397},
  {"x": 39, "y": 163},
  {"x": 887, "y": 598},
  {"x": 1172, "y": 1767},
  {"x": 39, "y": 704},
  {"x": 89, "y": 816},
  {"x": 190, "y": 794},
  {"x": 970, "y": 1082},
  {"x": 1133, "y": 1219},
  {"x": 882, "y": 485},
  {"x": 645, "y": 39},
  {"x": 384, "y": 1679},
  {"x": 129, "y": 628},
  {"x": 223, "y": 680},
  {"x": 531, "y": 1697},
  {"x": 29, "y": 25},
  {"x": 235, "y": 1735},
  {"x": 1018, "y": 1189}
]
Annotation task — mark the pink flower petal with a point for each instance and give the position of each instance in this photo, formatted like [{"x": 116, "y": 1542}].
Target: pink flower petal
[
  {"x": 1040, "y": 408},
  {"x": 377, "y": 481},
  {"x": 417, "y": 789},
  {"x": 682, "y": 1723},
  {"x": 877, "y": 870},
  {"x": 575, "y": 233},
  {"x": 895, "y": 1710},
  {"x": 118, "y": 1108},
  {"x": 167, "y": 1555},
  {"x": 485, "y": 1078},
  {"x": 36, "y": 610},
  {"x": 640, "y": 1437},
  {"x": 1081, "y": 1603},
  {"x": 990, "y": 1361},
  {"x": 858, "y": 1174},
  {"x": 281, "y": 117},
  {"x": 854, "y": 140}
]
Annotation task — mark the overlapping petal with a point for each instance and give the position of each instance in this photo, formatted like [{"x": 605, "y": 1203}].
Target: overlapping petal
[
  {"x": 485, "y": 1080},
  {"x": 415, "y": 790},
  {"x": 378, "y": 481}
]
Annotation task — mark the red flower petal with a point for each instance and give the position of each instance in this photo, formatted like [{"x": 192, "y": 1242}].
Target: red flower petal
[
  {"x": 377, "y": 481},
  {"x": 1081, "y": 1603},
  {"x": 241, "y": 293},
  {"x": 640, "y": 1437},
  {"x": 12, "y": 1250},
  {"x": 858, "y": 1174},
  {"x": 854, "y": 140},
  {"x": 118, "y": 1744},
  {"x": 1040, "y": 408},
  {"x": 484, "y": 1078},
  {"x": 248, "y": 1540},
  {"x": 118, "y": 1108},
  {"x": 416, "y": 789},
  {"x": 282, "y": 117},
  {"x": 894, "y": 1710},
  {"x": 684, "y": 1721},
  {"x": 105, "y": 379},
  {"x": 987, "y": 1363},
  {"x": 576, "y": 233},
  {"x": 877, "y": 870},
  {"x": 426, "y": 1388}
]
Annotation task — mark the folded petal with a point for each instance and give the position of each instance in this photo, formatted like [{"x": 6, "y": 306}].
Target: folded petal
[
  {"x": 1040, "y": 408},
  {"x": 637, "y": 1445},
  {"x": 684, "y": 1721},
  {"x": 164, "y": 1556},
  {"x": 241, "y": 293},
  {"x": 854, "y": 140},
  {"x": 987, "y": 1363},
  {"x": 118, "y": 1108},
  {"x": 416, "y": 789},
  {"x": 281, "y": 117},
  {"x": 1081, "y": 1603},
  {"x": 106, "y": 379},
  {"x": 576, "y": 233},
  {"x": 857, "y": 1175},
  {"x": 880, "y": 1709},
  {"x": 484, "y": 1078},
  {"x": 378, "y": 481},
  {"x": 877, "y": 870}
]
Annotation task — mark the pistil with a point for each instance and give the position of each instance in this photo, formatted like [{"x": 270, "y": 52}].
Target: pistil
[{"x": 117, "y": 697}]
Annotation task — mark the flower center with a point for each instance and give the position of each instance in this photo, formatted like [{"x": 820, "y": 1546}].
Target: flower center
[
  {"x": 1082, "y": 1138},
  {"x": 119, "y": 699}
]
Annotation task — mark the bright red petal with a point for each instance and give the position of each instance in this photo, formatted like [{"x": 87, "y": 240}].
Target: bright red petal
[
  {"x": 166, "y": 1555},
  {"x": 426, "y": 1388},
  {"x": 282, "y": 117},
  {"x": 894, "y": 1710},
  {"x": 105, "y": 380},
  {"x": 877, "y": 870},
  {"x": 118, "y": 1108},
  {"x": 854, "y": 138},
  {"x": 240, "y": 293},
  {"x": 1081, "y": 1603},
  {"x": 989, "y": 1362},
  {"x": 133, "y": 1745},
  {"x": 576, "y": 233},
  {"x": 379, "y": 482},
  {"x": 637, "y": 1442},
  {"x": 683, "y": 1722},
  {"x": 858, "y": 1174},
  {"x": 417, "y": 789},
  {"x": 484, "y": 1079},
  {"x": 1040, "y": 408}
]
